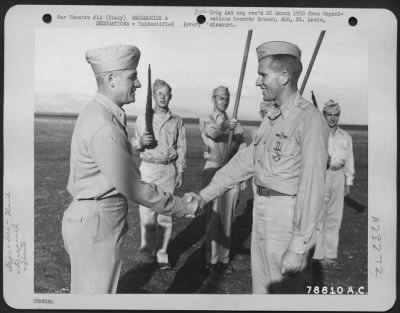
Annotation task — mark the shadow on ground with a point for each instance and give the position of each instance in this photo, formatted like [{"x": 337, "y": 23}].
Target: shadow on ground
[
  {"x": 357, "y": 206},
  {"x": 192, "y": 277},
  {"x": 135, "y": 279}
]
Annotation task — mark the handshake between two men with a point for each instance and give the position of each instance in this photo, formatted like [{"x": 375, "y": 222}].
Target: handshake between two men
[{"x": 195, "y": 203}]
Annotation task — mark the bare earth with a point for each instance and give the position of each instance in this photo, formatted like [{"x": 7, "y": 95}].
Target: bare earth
[{"x": 52, "y": 141}]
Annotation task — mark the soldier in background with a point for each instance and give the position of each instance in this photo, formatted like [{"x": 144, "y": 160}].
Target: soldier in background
[
  {"x": 163, "y": 162},
  {"x": 339, "y": 179},
  {"x": 215, "y": 130},
  {"x": 288, "y": 161},
  {"x": 103, "y": 176}
]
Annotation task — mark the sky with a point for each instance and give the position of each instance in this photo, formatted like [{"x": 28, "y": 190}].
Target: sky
[{"x": 194, "y": 62}]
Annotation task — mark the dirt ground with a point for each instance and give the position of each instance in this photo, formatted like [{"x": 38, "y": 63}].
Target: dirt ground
[{"x": 186, "y": 250}]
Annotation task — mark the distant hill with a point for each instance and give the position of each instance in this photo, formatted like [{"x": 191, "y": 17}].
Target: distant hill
[
  {"x": 64, "y": 105},
  {"x": 60, "y": 103}
]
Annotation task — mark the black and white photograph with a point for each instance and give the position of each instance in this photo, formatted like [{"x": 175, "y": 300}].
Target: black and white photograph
[{"x": 204, "y": 155}]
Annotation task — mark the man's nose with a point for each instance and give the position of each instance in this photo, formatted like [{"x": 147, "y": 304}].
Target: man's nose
[
  {"x": 137, "y": 83},
  {"x": 258, "y": 81}
]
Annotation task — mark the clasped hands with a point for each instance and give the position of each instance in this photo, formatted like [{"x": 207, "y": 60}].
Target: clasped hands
[{"x": 195, "y": 204}]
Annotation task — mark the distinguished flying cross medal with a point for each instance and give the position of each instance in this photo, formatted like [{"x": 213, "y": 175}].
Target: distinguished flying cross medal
[{"x": 278, "y": 147}]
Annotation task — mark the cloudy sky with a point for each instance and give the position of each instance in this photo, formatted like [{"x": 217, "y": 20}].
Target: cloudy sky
[{"x": 196, "y": 61}]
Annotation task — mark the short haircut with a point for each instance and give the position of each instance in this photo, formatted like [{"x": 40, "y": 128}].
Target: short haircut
[
  {"x": 159, "y": 83},
  {"x": 100, "y": 77},
  {"x": 286, "y": 62}
]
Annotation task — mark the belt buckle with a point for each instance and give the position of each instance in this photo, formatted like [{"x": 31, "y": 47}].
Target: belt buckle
[{"x": 265, "y": 192}]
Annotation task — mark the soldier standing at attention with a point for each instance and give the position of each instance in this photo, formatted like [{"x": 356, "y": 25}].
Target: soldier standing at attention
[
  {"x": 288, "y": 161},
  {"x": 103, "y": 176},
  {"x": 339, "y": 179},
  {"x": 219, "y": 214},
  {"x": 163, "y": 163}
]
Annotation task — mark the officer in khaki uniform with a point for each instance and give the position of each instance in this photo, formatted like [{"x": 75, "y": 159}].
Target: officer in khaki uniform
[
  {"x": 288, "y": 161},
  {"x": 103, "y": 176},
  {"x": 339, "y": 179},
  {"x": 215, "y": 130}
]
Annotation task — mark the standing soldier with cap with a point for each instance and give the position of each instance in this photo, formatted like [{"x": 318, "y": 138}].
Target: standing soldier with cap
[
  {"x": 339, "y": 179},
  {"x": 163, "y": 163},
  {"x": 215, "y": 134},
  {"x": 288, "y": 161},
  {"x": 103, "y": 176}
]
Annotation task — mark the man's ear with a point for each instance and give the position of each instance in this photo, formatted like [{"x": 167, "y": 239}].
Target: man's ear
[
  {"x": 284, "y": 78},
  {"x": 110, "y": 79}
]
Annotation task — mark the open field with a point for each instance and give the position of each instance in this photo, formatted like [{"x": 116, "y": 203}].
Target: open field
[{"x": 52, "y": 140}]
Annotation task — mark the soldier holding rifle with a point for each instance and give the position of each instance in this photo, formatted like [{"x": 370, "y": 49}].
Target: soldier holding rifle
[
  {"x": 163, "y": 162},
  {"x": 103, "y": 176},
  {"x": 215, "y": 130},
  {"x": 287, "y": 159}
]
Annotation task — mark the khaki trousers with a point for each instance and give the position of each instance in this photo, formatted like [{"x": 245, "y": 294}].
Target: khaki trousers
[
  {"x": 93, "y": 232},
  {"x": 156, "y": 228},
  {"x": 219, "y": 217},
  {"x": 271, "y": 234},
  {"x": 330, "y": 217}
]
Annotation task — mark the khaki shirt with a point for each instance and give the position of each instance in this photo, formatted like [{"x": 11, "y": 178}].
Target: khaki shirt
[
  {"x": 299, "y": 136},
  {"x": 340, "y": 149},
  {"x": 169, "y": 133},
  {"x": 215, "y": 137},
  {"x": 102, "y": 164}
]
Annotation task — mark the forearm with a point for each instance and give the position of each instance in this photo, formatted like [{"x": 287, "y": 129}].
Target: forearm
[
  {"x": 118, "y": 166},
  {"x": 214, "y": 130},
  {"x": 181, "y": 150},
  {"x": 238, "y": 169},
  {"x": 349, "y": 165}
]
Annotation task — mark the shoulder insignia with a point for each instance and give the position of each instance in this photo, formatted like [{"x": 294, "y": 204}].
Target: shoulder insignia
[{"x": 304, "y": 104}]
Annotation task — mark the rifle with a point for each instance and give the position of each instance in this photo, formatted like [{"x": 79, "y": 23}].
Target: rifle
[
  {"x": 310, "y": 66},
  {"x": 313, "y": 99},
  {"x": 149, "y": 105},
  {"x": 239, "y": 91}
]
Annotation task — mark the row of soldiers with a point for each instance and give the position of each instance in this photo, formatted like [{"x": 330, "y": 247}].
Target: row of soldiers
[{"x": 287, "y": 159}]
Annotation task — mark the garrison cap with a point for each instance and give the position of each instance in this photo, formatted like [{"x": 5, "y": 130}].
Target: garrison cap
[
  {"x": 221, "y": 90},
  {"x": 112, "y": 58},
  {"x": 331, "y": 107},
  {"x": 277, "y": 47},
  {"x": 159, "y": 83}
]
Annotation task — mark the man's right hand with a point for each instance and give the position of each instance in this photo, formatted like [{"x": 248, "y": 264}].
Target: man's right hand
[
  {"x": 230, "y": 123},
  {"x": 195, "y": 204},
  {"x": 146, "y": 140}
]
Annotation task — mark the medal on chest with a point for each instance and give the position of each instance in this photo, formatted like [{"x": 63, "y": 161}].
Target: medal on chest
[{"x": 276, "y": 156}]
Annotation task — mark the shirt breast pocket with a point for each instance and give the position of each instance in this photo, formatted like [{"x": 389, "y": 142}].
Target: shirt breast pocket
[
  {"x": 170, "y": 131},
  {"x": 289, "y": 147}
]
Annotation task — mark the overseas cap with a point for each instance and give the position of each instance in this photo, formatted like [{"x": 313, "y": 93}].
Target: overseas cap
[
  {"x": 221, "y": 90},
  {"x": 112, "y": 58},
  {"x": 159, "y": 83},
  {"x": 277, "y": 47},
  {"x": 331, "y": 107}
]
